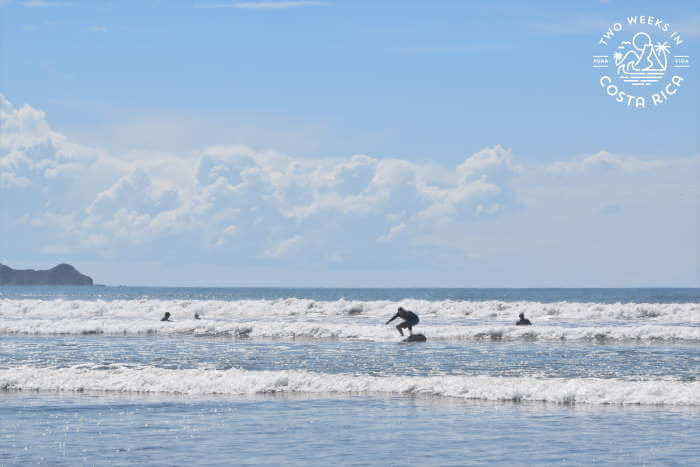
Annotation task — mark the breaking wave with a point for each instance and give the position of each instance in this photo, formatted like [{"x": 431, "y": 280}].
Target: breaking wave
[
  {"x": 293, "y": 308},
  {"x": 293, "y": 318},
  {"x": 647, "y": 333},
  {"x": 148, "y": 379}
]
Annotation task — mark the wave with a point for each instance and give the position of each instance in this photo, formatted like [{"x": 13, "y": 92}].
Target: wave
[
  {"x": 444, "y": 311},
  {"x": 646, "y": 333},
  {"x": 148, "y": 379}
]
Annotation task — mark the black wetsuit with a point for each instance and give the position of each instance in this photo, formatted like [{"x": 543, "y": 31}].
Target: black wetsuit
[
  {"x": 523, "y": 322},
  {"x": 410, "y": 320}
]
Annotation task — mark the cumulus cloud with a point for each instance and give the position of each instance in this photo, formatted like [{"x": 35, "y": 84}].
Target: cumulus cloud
[
  {"x": 93, "y": 201},
  {"x": 239, "y": 204}
]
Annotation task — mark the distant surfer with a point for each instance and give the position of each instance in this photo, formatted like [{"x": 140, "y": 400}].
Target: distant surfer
[
  {"x": 196, "y": 316},
  {"x": 523, "y": 321},
  {"x": 166, "y": 316},
  {"x": 410, "y": 320}
]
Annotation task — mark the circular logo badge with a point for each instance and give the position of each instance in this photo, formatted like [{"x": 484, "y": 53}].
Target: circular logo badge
[{"x": 642, "y": 62}]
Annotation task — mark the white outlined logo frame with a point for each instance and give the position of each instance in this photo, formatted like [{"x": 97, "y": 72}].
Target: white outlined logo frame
[{"x": 641, "y": 61}]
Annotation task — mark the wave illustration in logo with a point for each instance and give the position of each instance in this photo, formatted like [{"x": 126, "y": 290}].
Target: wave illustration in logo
[{"x": 640, "y": 62}]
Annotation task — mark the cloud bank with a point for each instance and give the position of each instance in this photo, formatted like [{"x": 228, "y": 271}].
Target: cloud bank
[{"x": 239, "y": 205}]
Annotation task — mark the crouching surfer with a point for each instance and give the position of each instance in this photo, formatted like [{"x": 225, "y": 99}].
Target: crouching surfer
[
  {"x": 166, "y": 316},
  {"x": 410, "y": 320}
]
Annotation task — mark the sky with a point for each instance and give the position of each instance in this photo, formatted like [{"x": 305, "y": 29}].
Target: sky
[{"x": 343, "y": 144}]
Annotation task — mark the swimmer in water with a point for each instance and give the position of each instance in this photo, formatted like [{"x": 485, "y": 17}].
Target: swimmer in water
[
  {"x": 523, "y": 321},
  {"x": 166, "y": 316},
  {"x": 196, "y": 316},
  {"x": 410, "y": 320}
]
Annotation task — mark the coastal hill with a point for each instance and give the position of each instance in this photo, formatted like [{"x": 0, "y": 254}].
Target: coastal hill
[{"x": 63, "y": 274}]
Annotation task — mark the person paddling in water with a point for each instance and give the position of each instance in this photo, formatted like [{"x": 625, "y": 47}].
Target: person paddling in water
[
  {"x": 523, "y": 321},
  {"x": 166, "y": 316},
  {"x": 410, "y": 320}
]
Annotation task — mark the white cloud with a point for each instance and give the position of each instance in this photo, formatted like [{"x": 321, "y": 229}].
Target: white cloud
[
  {"x": 236, "y": 204},
  {"x": 393, "y": 232},
  {"x": 96, "y": 28},
  {"x": 226, "y": 235},
  {"x": 11, "y": 180},
  {"x": 487, "y": 159},
  {"x": 605, "y": 159},
  {"x": 132, "y": 191},
  {"x": 284, "y": 248}
]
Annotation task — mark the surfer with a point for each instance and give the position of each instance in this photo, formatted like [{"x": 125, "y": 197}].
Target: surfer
[
  {"x": 410, "y": 320},
  {"x": 196, "y": 316},
  {"x": 166, "y": 316},
  {"x": 523, "y": 321}
]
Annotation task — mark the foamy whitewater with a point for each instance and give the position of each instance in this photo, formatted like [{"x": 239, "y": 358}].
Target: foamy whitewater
[
  {"x": 295, "y": 358},
  {"x": 294, "y": 318},
  {"x": 238, "y": 382}
]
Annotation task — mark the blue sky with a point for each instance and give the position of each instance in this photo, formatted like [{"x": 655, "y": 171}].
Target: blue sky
[{"x": 341, "y": 143}]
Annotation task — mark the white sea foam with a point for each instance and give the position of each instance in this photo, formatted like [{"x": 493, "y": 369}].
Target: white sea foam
[
  {"x": 646, "y": 333},
  {"x": 147, "y": 379},
  {"x": 293, "y": 318},
  {"x": 447, "y": 310}
]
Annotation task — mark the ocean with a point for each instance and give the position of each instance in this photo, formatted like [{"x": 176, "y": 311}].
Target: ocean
[{"x": 90, "y": 375}]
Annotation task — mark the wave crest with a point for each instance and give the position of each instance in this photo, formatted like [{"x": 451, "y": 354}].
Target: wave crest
[
  {"x": 446, "y": 311},
  {"x": 646, "y": 333},
  {"x": 148, "y": 379}
]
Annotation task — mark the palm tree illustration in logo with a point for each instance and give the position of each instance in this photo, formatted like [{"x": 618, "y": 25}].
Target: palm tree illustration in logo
[{"x": 645, "y": 63}]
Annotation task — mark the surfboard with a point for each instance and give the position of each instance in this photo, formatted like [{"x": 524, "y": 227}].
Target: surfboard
[{"x": 415, "y": 338}]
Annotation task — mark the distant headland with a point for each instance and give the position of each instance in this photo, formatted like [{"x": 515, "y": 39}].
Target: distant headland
[{"x": 63, "y": 274}]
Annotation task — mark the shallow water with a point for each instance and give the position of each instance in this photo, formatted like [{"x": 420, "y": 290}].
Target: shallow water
[
  {"x": 509, "y": 359},
  {"x": 71, "y": 429}
]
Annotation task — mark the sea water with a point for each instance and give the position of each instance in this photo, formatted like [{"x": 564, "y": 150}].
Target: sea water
[{"x": 313, "y": 376}]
